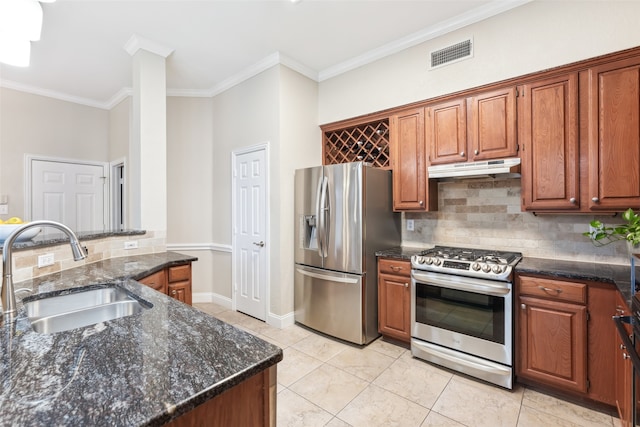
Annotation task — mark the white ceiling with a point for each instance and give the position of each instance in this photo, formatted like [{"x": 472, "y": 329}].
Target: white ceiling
[{"x": 216, "y": 44}]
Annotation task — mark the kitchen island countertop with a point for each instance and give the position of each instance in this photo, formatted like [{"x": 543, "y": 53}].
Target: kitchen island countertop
[{"x": 140, "y": 370}]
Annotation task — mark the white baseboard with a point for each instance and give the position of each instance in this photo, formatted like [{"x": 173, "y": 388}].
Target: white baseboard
[
  {"x": 280, "y": 321},
  {"x": 211, "y": 297}
]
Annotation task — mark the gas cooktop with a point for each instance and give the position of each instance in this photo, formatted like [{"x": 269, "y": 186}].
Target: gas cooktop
[{"x": 483, "y": 263}]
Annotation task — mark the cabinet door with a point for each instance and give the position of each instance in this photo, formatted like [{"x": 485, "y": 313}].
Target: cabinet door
[
  {"x": 492, "y": 128},
  {"x": 552, "y": 343},
  {"x": 408, "y": 159},
  {"x": 447, "y": 132},
  {"x": 394, "y": 309},
  {"x": 623, "y": 372},
  {"x": 548, "y": 134},
  {"x": 180, "y": 291},
  {"x": 614, "y": 135}
]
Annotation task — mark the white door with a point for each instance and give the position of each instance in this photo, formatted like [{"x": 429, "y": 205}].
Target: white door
[
  {"x": 250, "y": 233},
  {"x": 70, "y": 193}
]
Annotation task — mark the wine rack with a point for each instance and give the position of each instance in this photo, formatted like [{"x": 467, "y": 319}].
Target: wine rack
[{"x": 367, "y": 142}]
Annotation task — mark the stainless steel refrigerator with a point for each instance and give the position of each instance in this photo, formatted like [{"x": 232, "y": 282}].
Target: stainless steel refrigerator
[{"x": 344, "y": 214}]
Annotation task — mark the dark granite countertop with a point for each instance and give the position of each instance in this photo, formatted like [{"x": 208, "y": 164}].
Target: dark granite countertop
[
  {"x": 55, "y": 238},
  {"x": 140, "y": 370},
  {"x": 399, "y": 252},
  {"x": 619, "y": 275}
]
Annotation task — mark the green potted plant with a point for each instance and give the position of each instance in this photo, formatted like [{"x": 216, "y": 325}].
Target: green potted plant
[{"x": 602, "y": 235}]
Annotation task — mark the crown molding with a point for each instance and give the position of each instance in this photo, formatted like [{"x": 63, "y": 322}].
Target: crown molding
[
  {"x": 471, "y": 17},
  {"x": 136, "y": 42},
  {"x": 50, "y": 94}
]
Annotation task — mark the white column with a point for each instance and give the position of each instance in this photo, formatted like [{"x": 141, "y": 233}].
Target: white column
[{"x": 147, "y": 175}]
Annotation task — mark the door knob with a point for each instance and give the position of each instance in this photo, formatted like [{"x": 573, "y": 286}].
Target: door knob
[{"x": 260, "y": 243}]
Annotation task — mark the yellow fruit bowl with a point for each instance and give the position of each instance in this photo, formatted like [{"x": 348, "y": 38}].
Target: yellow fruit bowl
[{"x": 7, "y": 229}]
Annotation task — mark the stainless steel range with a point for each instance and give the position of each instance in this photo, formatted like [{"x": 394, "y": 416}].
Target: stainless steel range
[{"x": 462, "y": 311}]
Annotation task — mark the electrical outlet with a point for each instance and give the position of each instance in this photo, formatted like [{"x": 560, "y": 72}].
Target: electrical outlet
[
  {"x": 131, "y": 244},
  {"x": 45, "y": 260},
  {"x": 409, "y": 225},
  {"x": 4, "y": 209}
]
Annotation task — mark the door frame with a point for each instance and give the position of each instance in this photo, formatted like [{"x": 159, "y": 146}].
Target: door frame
[
  {"x": 28, "y": 185},
  {"x": 264, "y": 146},
  {"x": 118, "y": 193}
]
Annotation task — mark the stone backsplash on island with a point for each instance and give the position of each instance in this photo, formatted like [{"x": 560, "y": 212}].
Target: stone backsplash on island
[
  {"x": 110, "y": 245},
  {"x": 485, "y": 213}
]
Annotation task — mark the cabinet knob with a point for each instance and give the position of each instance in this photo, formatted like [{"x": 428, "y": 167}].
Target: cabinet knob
[
  {"x": 421, "y": 202},
  {"x": 595, "y": 199},
  {"x": 173, "y": 292},
  {"x": 625, "y": 356},
  {"x": 462, "y": 154},
  {"x": 396, "y": 268},
  {"x": 572, "y": 200},
  {"x": 623, "y": 347},
  {"x": 406, "y": 285},
  {"x": 476, "y": 152},
  {"x": 523, "y": 306}
]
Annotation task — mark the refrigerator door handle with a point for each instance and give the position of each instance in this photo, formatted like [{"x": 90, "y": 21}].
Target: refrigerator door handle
[
  {"x": 323, "y": 210},
  {"x": 319, "y": 216},
  {"x": 326, "y": 277}
]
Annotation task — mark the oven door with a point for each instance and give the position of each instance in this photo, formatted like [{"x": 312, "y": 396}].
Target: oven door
[{"x": 466, "y": 314}]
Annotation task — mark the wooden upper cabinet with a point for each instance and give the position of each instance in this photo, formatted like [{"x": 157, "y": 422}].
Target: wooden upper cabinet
[
  {"x": 446, "y": 132},
  {"x": 480, "y": 127},
  {"x": 548, "y": 136},
  {"x": 492, "y": 128},
  {"x": 614, "y": 135},
  {"x": 408, "y": 159}
]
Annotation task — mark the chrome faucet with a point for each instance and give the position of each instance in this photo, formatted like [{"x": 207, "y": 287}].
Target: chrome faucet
[{"x": 8, "y": 293}]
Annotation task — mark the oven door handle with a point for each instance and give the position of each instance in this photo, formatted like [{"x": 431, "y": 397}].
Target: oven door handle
[
  {"x": 479, "y": 286},
  {"x": 626, "y": 341}
]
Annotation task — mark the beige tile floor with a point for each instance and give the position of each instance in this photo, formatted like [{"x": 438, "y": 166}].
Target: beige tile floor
[{"x": 326, "y": 382}]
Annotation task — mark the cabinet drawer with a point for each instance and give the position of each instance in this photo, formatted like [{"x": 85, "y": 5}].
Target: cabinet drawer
[
  {"x": 179, "y": 273},
  {"x": 554, "y": 289},
  {"x": 394, "y": 266}
]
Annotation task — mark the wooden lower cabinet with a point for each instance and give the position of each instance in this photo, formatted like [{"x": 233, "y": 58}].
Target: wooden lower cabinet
[
  {"x": 250, "y": 403},
  {"x": 174, "y": 281},
  {"x": 394, "y": 299},
  {"x": 623, "y": 371},
  {"x": 553, "y": 343},
  {"x": 565, "y": 338}
]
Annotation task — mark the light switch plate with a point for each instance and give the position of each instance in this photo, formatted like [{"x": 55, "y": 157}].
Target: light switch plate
[
  {"x": 4, "y": 209},
  {"x": 409, "y": 225}
]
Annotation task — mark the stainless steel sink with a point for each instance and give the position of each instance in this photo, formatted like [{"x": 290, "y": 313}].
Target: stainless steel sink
[{"x": 79, "y": 309}]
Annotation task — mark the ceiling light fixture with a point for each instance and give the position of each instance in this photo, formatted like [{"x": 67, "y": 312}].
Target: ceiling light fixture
[{"x": 20, "y": 24}]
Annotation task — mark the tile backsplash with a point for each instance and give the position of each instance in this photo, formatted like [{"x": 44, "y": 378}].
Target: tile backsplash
[{"x": 485, "y": 213}]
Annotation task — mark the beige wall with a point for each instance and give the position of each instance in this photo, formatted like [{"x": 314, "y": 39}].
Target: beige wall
[
  {"x": 533, "y": 37},
  {"x": 300, "y": 147},
  {"x": 37, "y": 125},
  {"x": 190, "y": 203},
  {"x": 120, "y": 130}
]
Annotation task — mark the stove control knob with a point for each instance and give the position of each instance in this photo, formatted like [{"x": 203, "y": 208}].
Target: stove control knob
[
  {"x": 496, "y": 269},
  {"x": 429, "y": 261},
  {"x": 436, "y": 261},
  {"x": 475, "y": 266},
  {"x": 420, "y": 260},
  {"x": 486, "y": 268}
]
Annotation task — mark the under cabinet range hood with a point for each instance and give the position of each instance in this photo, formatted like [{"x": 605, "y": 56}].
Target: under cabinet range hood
[{"x": 476, "y": 169}]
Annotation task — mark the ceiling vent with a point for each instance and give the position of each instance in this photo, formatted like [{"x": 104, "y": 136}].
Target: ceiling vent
[{"x": 450, "y": 54}]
